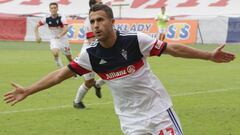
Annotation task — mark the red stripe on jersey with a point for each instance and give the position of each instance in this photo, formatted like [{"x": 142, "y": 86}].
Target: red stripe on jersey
[
  {"x": 124, "y": 71},
  {"x": 157, "y": 48},
  {"x": 73, "y": 66},
  {"x": 90, "y": 35},
  {"x": 40, "y": 23}
]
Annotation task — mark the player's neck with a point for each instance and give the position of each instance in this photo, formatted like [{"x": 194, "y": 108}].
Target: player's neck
[
  {"x": 54, "y": 15},
  {"x": 109, "y": 42}
]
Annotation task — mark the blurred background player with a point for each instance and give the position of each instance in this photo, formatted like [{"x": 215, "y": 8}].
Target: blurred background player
[
  {"x": 162, "y": 20},
  {"x": 89, "y": 80},
  {"x": 58, "y": 27}
]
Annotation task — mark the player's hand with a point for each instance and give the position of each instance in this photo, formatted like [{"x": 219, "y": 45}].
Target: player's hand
[
  {"x": 16, "y": 95},
  {"x": 220, "y": 56},
  {"x": 38, "y": 40}
]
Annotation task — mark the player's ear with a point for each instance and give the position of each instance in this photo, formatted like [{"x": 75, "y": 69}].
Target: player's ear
[{"x": 113, "y": 21}]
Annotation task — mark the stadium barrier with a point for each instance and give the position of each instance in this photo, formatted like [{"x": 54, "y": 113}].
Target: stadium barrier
[
  {"x": 183, "y": 31},
  {"x": 233, "y": 34},
  {"x": 206, "y": 30},
  {"x": 12, "y": 28},
  {"x": 212, "y": 30}
]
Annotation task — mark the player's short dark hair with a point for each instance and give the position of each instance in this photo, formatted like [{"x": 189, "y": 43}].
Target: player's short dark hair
[
  {"x": 53, "y": 3},
  {"x": 102, "y": 7},
  {"x": 92, "y": 2}
]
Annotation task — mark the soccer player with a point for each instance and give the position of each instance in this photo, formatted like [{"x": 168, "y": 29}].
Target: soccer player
[
  {"x": 162, "y": 20},
  {"x": 58, "y": 27},
  {"x": 89, "y": 80},
  {"x": 140, "y": 100}
]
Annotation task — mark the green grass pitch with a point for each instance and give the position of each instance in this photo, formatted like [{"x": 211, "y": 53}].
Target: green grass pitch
[{"x": 206, "y": 95}]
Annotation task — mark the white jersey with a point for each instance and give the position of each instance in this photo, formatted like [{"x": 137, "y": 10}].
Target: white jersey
[
  {"x": 136, "y": 91},
  {"x": 55, "y": 25}
]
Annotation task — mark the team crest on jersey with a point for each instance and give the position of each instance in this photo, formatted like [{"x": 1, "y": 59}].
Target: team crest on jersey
[
  {"x": 57, "y": 21},
  {"x": 124, "y": 54},
  {"x": 50, "y": 22}
]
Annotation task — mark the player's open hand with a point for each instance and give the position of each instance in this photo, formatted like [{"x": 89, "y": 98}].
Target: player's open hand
[
  {"x": 38, "y": 40},
  {"x": 220, "y": 56},
  {"x": 16, "y": 95}
]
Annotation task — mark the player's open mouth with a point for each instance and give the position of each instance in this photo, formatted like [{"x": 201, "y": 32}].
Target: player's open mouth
[{"x": 98, "y": 33}]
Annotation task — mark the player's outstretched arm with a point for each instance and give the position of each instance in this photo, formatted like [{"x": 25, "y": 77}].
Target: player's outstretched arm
[
  {"x": 217, "y": 55},
  {"x": 19, "y": 93}
]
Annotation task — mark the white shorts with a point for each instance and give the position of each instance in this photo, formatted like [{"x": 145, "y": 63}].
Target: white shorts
[
  {"x": 161, "y": 30},
  {"x": 165, "y": 123},
  {"x": 61, "y": 44},
  {"x": 89, "y": 76}
]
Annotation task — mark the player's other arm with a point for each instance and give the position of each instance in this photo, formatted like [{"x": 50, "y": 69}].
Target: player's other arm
[
  {"x": 217, "y": 55},
  {"x": 19, "y": 93},
  {"x": 37, "y": 35},
  {"x": 64, "y": 27},
  {"x": 64, "y": 31}
]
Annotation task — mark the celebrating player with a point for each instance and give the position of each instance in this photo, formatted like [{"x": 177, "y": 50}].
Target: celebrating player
[{"x": 120, "y": 59}]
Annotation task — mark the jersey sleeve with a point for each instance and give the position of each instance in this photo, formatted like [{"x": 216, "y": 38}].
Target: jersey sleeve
[
  {"x": 42, "y": 21},
  {"x": 150, "y": 46},
  {"x": 81, "y": 64}
]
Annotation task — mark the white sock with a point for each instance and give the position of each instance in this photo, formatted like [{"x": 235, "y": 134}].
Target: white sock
[
  {"x": 58, "y": 62},
  {"x": 99, "y": 83},
  {"x": 82, "y": 90}
]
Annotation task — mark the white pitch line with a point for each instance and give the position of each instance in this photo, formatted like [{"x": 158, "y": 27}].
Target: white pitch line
[
  {"x": 48, "y": 108},
  {"x": 68, "y": 106},
  {"x": 204, "y": 92}
]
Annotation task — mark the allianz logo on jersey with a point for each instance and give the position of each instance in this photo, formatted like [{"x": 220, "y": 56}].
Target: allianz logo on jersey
[{"x": 128, "y": 70}]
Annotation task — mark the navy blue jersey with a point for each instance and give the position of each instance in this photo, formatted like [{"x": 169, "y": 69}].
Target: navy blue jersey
[
  {"x": 55, "y": 25},
  {"x": 54, "y": 22},
  {"x": 58, "y": 21},
  {"x": 126, "y": 51}
]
